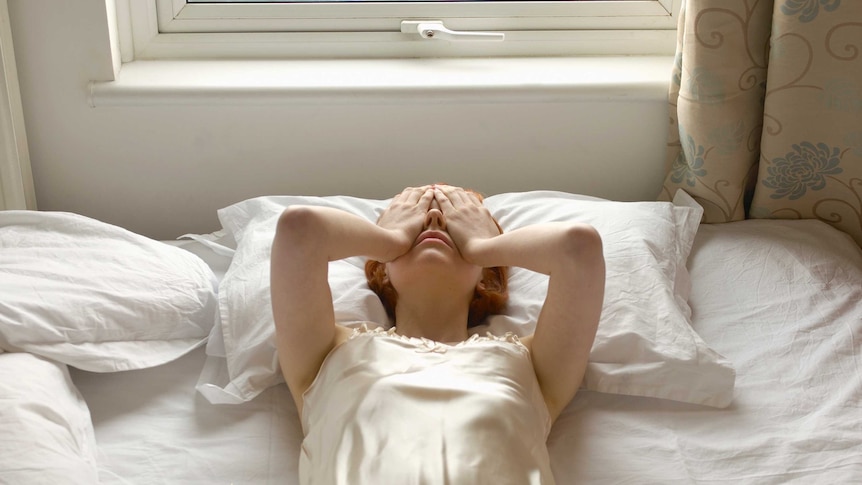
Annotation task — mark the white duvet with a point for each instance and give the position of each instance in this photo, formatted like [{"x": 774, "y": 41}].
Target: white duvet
[
  {"x": 96, "y": 296},
  {"x": 46, "y": 435}
]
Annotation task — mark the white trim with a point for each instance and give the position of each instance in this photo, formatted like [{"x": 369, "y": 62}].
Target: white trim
[
  {"x": 177, "y": 16},
  {"x": 171, "y": 29},
  {"x": 114, "y": 33},
  {"x": 125, "y": 30},
  {"x": 384, "y": 45},
  {"x": 392, "y": 81},
  {"x": 16, "y": 178}
]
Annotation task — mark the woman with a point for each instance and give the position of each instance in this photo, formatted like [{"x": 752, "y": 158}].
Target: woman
[{"x": 422, "y": 403}]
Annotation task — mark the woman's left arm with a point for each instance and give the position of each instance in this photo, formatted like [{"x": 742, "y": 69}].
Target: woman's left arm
[{"x": 571, "y": 255}]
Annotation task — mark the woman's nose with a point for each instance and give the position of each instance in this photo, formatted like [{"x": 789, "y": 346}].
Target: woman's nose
[{"x": 434, "y": 218}]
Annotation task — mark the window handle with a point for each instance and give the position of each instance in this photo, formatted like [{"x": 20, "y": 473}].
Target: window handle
[{"x": 435, "y": 30}]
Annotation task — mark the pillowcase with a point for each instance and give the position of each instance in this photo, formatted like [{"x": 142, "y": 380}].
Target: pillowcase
[
  {"x": 96, "y": 296},
  {"x": 241, "y": 354},
  {"x": 47, "y": 432},
  {"x": 645, "y": 345}
]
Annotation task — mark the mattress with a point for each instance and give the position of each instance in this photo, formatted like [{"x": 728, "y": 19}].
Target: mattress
[{"x": 782, "y": 300}]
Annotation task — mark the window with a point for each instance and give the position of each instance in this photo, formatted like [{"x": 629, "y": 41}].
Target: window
[{"x": 364, "y": 28}]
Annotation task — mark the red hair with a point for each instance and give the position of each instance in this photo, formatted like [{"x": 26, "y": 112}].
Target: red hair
[{"x": 489, "y": 297}]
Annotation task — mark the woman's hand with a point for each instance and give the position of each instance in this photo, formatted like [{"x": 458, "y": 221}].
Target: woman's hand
[
  {"x": 405, "y": 215},
  {"x": 467, "y": 220}
]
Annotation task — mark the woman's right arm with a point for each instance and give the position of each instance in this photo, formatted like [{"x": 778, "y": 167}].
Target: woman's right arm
[{"x": 306, "y": 240}]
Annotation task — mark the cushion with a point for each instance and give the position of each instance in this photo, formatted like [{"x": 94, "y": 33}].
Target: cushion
[
  {"x": 96, "y": 296},
  {"x": 645, "y": 345},
  {"x": 47, "y": 432}
]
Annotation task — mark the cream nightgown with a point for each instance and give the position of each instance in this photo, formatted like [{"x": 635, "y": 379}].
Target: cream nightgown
[{"x": 388, "y": 409}]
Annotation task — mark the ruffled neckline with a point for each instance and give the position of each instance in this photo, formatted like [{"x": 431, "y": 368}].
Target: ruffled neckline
[{"x": 429, "y": 345}]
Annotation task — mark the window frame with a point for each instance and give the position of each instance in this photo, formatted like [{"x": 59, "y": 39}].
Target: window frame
[
  {"x": 16, "y": 177},
  {"x": 169, "y": 29}
]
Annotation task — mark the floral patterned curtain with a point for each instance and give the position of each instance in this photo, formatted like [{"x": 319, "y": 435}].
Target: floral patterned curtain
[
  {"x": 766, "y": 110},
  {"x": 716, "y": 103},
  {"x": 811, "y": 150}
]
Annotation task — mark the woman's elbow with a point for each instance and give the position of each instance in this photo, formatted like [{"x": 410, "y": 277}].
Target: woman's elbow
[
  {"x": 582, "y": 242},
  {"x": 298, "y": 225}
]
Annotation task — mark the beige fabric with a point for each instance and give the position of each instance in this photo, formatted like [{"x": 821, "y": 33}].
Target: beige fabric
[
  {"x": 716, "y": 104},
  {"x": 811, "y": 164},
  {"x": 391, "y": 409}
]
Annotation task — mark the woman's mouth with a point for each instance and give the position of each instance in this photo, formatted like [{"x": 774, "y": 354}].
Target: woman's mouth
[{"x": 434, "y": 237}]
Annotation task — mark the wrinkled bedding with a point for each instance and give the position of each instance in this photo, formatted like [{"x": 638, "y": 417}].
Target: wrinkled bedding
[{"x": 779, "y": 299}]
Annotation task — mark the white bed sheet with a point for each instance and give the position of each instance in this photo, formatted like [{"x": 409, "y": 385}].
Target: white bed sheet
[
  {"x": 761, "y": 296},
  {"x": 793, "y": 330}
]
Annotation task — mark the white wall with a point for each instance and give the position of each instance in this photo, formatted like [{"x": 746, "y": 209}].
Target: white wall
[{"x": 165, "y": 170}]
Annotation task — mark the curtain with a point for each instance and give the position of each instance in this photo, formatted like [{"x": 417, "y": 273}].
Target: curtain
[{"x": 766, "y": 110}]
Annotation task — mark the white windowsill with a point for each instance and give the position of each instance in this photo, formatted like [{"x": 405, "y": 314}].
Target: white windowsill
[{"x": 485, "y": 80}]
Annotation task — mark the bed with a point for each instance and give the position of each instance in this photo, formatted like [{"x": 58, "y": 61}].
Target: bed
[{"x": 726, "y": 352}]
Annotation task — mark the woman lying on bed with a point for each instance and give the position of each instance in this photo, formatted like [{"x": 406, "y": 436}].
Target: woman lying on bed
[{"x": 423, "y": 403}]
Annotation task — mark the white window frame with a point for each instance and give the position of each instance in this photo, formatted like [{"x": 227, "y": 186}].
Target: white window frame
[
  {"x": 16, "y": 177},
  {"x": 171, "y": 29}
]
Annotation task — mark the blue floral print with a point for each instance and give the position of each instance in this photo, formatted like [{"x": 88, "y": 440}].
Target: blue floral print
[
  {"x": 705, "y": 86},
  {"x": 689, "y": 164},
  {"x": 854, "y": 141},
  {"x": 808, "y": 9},
  {"x": 802, "y": 169}
]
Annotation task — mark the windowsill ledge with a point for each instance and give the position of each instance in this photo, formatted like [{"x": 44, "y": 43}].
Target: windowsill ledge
[{"x": 483, "y": 80}]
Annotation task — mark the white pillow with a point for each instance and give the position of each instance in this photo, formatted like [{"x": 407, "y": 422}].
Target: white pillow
[
  {"x": 241, "y": 355},
  {"x": 96, "y": 296},
  {"x": 645, "y": 345},
  {"x": 47, "y": 435}
]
